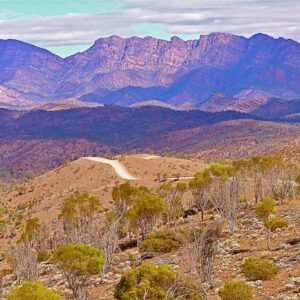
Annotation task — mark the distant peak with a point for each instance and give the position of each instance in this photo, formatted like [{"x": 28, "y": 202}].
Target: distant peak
[
  {"x": 175, "y": 39},
  {"x": 109, "y": 38},
  {"x": 220, "y": 35},
  {"x": 261, "y": 36},
  {"x": 115, "y": 37}
]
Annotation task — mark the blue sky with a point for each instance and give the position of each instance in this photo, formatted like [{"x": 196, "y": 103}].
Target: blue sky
[{"x": 68, "y": 26}]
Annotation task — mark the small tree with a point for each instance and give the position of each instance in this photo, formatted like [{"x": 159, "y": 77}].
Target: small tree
[
  {"x": 122, "y": 196},
  {"x": 145, "y": 214},
  {"x": 199, "y": 187},
  {"x": 173, "y": 200},
  {"x": 79, "y": 262},
  {"x": 36, "y": 234},
  {"x": 77, "y": 216},
  {"x": 263, "y": 210},
  {"x": 31, "y": 228},
  {"x": 284, "y": 187},
  {"x": 33, "y": 290},
  {"x": 265, "y": 172}
]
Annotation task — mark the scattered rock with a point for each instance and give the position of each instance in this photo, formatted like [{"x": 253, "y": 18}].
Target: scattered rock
[{"x": 296, "y": 280}]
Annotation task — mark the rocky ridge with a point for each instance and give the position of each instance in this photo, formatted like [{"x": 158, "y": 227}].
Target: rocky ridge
[{"x": 142, "y": 69}]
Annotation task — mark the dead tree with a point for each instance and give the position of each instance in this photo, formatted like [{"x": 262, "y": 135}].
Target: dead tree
[
  {"x": 208, "y": 246},
  {"x": 25, "y": 262},
  {"x": 225, "y": 198},
  {"x": 109, "y": 239},
  {"x": 199, "y": 255},
  {"x": 172, "y": 194}
]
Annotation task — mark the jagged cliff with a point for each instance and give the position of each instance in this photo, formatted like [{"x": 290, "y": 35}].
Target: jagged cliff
[{"x": 125, "y": 71}]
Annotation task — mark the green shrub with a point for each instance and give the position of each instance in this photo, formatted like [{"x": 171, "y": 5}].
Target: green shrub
[
  {"x": 79, "y": 259},
  {"x": 43, "y": 255},
  {"x": 155, "y": 282},
  {"x": 266, "y": 207},
  {"x": 236, "y": 290},
  {"x": 33, "y": 290},
  {"x": 145, "y": 213},
  {"x": 277, "y": 222},
  {"x": 79, "y": 206},
  {"x": 78, "y": 263},
  {"x": 162, "y": 241},
  {"x": 257, "y": 268}
]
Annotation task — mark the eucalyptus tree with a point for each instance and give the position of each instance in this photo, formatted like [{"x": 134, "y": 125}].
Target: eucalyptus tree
[
  {"x": 78, "y": 216},
  {"x": 200, "y": 187},
  {"x": 79, "y": 263},
  {"x": 172, "y": 195},
  {"x": 145, "y": 215}
]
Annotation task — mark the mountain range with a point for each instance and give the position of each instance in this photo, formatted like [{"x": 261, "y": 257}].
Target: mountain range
[
  {"x": 218, "y": 96},
  {"x": 246, "y": 72}
]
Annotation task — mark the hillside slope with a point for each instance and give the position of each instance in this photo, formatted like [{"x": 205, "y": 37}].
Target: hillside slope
[{"x": 42, "y": 199}]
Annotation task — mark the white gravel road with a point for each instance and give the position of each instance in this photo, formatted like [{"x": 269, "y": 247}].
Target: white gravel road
[{"x": 119, "y": 168}]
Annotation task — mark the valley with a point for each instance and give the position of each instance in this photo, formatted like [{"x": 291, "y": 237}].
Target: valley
[{"x": 35, "y": 141}]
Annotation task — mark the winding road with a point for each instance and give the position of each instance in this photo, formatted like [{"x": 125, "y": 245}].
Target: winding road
[{"x": 119, "y": 168}]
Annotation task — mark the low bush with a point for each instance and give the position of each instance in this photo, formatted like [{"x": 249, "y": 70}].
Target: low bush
[
  {"x": 277, "y": 222},
  {"x": 257, "y": 268},
  {"x": 157, "y": 282},
  {"x": 266, "y": 207},
  {"x": 43, "y": 255},
  {"x": 236, "y": 290},
  {"x": 162, "y": 241},
  {"x": 33, "y": 290}
]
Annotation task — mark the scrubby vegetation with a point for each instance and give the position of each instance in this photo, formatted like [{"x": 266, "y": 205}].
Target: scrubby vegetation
[
  {"x": 186, "y": 225},
  {"x": 157, "y": 282},
  {"x": 145, "y": 214},
  {"x": 277, "y": 222},
  {"x": 236, "y": 290},
  {"x": 162, "y": 241},
  {"x": 43, "y": 255},
  {"x": 257, "y": 268},
  {"x": 78, "y": 263},
  {"x": 265, "y": 208},
  {"x": 33, "y": 290}
]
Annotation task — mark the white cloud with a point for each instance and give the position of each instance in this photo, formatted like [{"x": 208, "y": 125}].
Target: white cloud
[{"x": 188, "y": 18}]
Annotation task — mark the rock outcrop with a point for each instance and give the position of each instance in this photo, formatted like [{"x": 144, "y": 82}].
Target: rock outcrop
[{"x": 142, "y": 69}]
